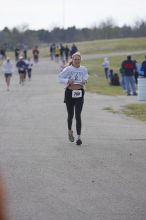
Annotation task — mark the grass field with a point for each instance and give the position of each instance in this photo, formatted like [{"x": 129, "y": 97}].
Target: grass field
[{"x": 113, "y": 45}]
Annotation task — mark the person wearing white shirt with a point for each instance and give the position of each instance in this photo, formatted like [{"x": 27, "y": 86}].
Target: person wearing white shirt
[
  {"x": 8, "y": 70},
  {"x": 74, "y": 77},
  {"x": 106, "y": 66}
]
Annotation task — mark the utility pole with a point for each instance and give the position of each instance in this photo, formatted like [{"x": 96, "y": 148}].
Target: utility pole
[{"x": 63, "y": 13}]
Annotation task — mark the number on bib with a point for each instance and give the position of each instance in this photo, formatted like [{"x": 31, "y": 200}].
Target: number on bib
[{"x": 76, "y": 93}]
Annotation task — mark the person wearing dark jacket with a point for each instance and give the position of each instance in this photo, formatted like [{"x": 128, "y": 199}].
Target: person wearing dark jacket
[
  {"x": 129, "y": 67},
  {"x": 73, "y": 50},
  {"x": 143, "y": 65},
  {"x": 21, "y": 65}
]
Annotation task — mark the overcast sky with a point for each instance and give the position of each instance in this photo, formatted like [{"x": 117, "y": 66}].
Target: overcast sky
[{"x": 47, "y": 14}]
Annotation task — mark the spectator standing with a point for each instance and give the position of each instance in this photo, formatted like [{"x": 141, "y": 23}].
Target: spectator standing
[
  {"x": 136, "y": 72},
  {"x": 129, "y": 67},
  {"x": 106, "y": 66},
  {"x": 122, "y": 78},
  {"x": 140, "y": 69}
]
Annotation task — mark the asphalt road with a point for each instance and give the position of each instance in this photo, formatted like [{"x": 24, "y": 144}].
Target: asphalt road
[{"x": 48, "y": 178}]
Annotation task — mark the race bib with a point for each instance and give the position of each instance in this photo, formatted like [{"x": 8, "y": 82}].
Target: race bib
[
  {"x": 76, "y": 93},
  {"x": 21, "y": 69}
]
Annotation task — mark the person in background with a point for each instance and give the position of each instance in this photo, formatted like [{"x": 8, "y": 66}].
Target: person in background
[
  {"x": 74, "y": 77},
  {"x": 106, "y": 66},
  {"x": 35, "y": 53},
  {"x": 116, "y": 81},
  {"x": 110, "y": 76},
  {"x": 129, "y": 67},
  {"x": 144, "y": 67},
  {"x": 122, "y": 78},
  {"x": 140, "y": 70},
  {"x": 29, "y": 65},
  {"x": 61, "y": 52},
  {"x": 73, "y": 50},
  {"x": 8, "y": 71},
  {"x": 25, "y": 50},
  {"x": 57, "y": 53},
  {"x": 21, "y": 65},
  {"x": 17, "y": 52},
  {"x": 3, "y": 53},
  {"x": 113, "y": 78},
  {"x": 52, "y": 51},
  {"x": 136, "y": 72},
  {"x": 66, "y": 51}
]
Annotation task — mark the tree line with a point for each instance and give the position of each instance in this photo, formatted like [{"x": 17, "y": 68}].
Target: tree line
[{"x": 106, "y": 30}]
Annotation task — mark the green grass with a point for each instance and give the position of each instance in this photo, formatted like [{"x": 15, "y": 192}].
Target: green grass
[
  {"x": 137, "y": 111},
  {"x": 113, "y": 45}
]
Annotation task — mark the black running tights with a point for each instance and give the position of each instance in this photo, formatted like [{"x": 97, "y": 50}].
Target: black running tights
[{"x": 77, "y": 107}]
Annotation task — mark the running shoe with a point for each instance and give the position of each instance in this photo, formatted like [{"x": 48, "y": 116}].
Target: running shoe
[
  {"x": 70, "y": 136},
  {"x": 78, "y": 142}
]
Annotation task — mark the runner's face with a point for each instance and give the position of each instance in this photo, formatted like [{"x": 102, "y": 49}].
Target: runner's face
[{"x": 76, "y": 61}]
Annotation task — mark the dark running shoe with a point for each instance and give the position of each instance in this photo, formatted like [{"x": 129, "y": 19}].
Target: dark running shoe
[
  {"x": 71, "y": 137},
  {"x": 78, "y": 142}
]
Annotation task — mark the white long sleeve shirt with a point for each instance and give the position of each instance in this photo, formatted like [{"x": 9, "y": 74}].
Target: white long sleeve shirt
[
  {"x": 79, "y": 75},
  {"x": 106, "y": 63},
  {"x": 8, "y": 67}
]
